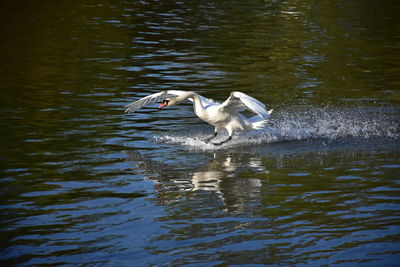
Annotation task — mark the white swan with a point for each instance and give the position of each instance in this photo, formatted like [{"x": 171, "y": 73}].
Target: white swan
[{"x": 224, "y": 115}]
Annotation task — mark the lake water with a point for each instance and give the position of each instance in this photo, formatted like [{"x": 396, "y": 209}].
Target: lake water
[{"x": 84, "y": 184}]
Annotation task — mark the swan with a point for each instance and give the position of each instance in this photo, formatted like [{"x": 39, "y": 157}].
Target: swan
[{"x": 222, "y": 116}]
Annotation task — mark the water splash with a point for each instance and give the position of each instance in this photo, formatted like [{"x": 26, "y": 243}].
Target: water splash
[{"x": 302, "y": 123}]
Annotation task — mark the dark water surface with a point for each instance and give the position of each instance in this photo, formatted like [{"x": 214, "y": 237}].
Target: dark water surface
[{"x": 82, "y": 183}]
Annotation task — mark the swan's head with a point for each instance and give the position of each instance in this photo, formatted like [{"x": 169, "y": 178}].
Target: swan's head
[{"x": 169, "y": 102}]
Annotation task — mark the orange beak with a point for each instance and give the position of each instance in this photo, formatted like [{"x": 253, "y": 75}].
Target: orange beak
[{"x": 164, "y": 104}]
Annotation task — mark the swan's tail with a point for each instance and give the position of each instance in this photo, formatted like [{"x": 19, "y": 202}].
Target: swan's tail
[{"x": 258, "y": 122}]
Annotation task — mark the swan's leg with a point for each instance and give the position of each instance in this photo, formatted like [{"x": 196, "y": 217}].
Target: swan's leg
[
  {"x": 223, "y": 141},
  {"x": 210, "y": 137}
]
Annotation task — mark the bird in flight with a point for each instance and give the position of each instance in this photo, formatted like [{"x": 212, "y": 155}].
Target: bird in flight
[{"x": 226, "y": 115}]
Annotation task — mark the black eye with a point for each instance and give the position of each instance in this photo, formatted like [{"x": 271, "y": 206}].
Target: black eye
[{"x": 165, "y": 102}]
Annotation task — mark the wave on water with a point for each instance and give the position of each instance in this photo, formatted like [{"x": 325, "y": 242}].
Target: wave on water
[{"x": 301, "y": 124}]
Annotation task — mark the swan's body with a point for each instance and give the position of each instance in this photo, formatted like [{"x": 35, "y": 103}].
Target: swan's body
[{"x": 224, "y": 115}]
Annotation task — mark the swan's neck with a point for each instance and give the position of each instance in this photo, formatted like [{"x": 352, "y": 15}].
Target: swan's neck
[{"x": 197, "y": 104}]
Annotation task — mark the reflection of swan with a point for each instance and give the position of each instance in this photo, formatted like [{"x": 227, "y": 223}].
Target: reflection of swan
[
  {"x": 220, "y": 177},
  {"x": 210, "y": 177},
  {"x": 224, "y": 115}
]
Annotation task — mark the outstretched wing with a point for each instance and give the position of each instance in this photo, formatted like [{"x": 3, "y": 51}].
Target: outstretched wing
[
  {"x": 238, "y": 101},
  {"x": 154, "y": 98},
  {"x": 159, "y": 97}
]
